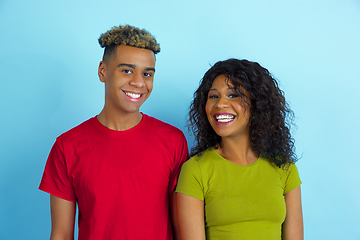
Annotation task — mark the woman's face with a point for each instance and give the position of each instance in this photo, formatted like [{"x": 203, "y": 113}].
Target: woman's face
[{"x": 227, "y": 113}]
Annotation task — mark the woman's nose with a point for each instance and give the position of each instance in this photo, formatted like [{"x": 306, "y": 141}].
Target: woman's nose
[{"x": 222, "y": 102}]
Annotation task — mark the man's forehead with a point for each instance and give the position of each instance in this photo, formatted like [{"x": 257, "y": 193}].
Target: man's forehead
[
  {"x": 133, "y": 57},
  {"x": 134, "y": 53},
  {"x": 134, "y": 50}
]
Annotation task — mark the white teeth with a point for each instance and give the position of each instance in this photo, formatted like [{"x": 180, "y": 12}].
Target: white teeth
[
  {"x": 224, "y": 118},
  {"x": 133, "y": 95}
]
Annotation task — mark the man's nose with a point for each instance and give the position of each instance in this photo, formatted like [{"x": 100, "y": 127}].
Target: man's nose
[{"x": 137, "y": 81}]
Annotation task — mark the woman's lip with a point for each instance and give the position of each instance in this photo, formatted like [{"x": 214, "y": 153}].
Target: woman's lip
[
  {"x": 223, "y": 123},
  {"x": 223, "y": 113},
  {"x": 226, "y": 118}
]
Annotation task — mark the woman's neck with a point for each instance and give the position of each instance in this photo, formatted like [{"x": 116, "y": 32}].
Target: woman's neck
[{"x": 237, "y": 150}]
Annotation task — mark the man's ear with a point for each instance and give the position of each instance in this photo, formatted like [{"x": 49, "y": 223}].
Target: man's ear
[{"x": 102, "y": 71}]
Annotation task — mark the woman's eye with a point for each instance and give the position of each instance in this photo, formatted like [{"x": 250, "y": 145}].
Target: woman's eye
[
  {"x": 213, "y": 96},
  {"x": 233, "y": 95}
]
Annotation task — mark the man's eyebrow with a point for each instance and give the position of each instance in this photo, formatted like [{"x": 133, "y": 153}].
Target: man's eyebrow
[
  {"x": 150, "y": 69},
  {"x": 133, "y": 66},
  {"x": 126, "y": 65}
]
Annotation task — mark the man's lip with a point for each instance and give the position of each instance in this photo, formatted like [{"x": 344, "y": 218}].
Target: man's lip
[
  {"x": 133, "y": 92},
  {"x": 131, "y": 98}
]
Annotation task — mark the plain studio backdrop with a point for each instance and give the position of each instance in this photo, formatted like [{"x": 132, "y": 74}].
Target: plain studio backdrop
[{"x": 49, "y": 57}]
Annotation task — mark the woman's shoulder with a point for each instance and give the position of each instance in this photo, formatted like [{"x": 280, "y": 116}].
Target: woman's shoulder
[
  {"x": 203, "y": 162},
  {"x": 204, "y": 157},
  {"x": 285, "y": 169}
]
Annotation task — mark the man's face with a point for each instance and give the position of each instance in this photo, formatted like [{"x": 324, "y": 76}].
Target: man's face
[{"x": 128, "y": 78}]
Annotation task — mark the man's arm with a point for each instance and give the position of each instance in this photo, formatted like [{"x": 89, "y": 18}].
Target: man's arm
[
  {"x": 62, "y": 218},
  {"x": 190, "y": 214},
  {"x": 293, "y": 228}
]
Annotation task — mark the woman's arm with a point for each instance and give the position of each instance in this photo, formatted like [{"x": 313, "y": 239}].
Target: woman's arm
[
  {"x": 293, "y": 227},
  {"x": 175, "y": 226},
  {"x": 62, "y": 218},
  {"x": 190, "y": 215}
]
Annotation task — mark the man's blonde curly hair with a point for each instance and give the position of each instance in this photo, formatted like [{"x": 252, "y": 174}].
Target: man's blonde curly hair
[{"x": 127, "y": 35}]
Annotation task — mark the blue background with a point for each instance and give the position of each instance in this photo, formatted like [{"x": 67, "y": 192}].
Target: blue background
[{"x": 49, "y": 56}]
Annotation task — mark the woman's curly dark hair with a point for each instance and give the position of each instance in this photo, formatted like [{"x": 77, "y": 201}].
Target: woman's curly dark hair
[{"x": 270, "y": 115}]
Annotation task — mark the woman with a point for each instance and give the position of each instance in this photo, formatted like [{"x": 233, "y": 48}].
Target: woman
[{"x": 241, "y": 182}]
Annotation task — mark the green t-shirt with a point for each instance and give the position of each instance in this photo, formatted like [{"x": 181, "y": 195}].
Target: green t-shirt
[{"x": 241, "y": 201}]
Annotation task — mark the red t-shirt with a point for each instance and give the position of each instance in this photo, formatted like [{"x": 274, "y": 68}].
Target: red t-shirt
[{"x": 121, "y": 180}]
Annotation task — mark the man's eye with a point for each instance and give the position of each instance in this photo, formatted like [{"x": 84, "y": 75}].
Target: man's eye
[
  {"x": 127, "y": 71},
  {"x": 147, "y": 74}
]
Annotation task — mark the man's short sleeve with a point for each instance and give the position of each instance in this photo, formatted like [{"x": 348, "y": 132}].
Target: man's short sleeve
[
  {"x": 181, "y": 155},
  {"x": 55, "y": 180}
]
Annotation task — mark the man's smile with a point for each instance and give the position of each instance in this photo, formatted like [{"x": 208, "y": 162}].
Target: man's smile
[{"x": 132, "y": 95}]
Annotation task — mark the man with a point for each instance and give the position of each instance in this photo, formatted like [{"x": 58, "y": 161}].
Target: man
[{"x": 121, "y": 166}]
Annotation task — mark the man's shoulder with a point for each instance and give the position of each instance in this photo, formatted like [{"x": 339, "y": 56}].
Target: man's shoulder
[
  {"x": 157, "y": 125},
  {"x": 82, "y": 129}
]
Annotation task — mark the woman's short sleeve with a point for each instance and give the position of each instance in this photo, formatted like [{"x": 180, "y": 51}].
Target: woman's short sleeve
[
  {"x": 292, "y": 179},
  {"x": 190, "y": 180}
]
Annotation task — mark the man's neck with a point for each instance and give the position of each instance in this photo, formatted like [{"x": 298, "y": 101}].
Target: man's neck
[{"x": 119, "y": 122}]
